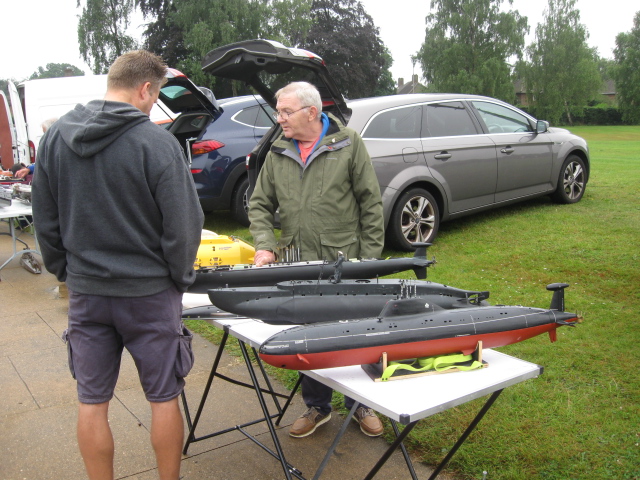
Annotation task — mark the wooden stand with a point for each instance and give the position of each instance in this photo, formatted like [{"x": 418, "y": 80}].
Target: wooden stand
[{"x": 375, "y": 370}]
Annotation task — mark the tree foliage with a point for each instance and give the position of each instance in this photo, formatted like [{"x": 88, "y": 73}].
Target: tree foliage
[
  {"x": 386, "y": 82},
  {"x": 207, "y": 24},
  {"x": 340, "y": 31},
  {"x": 562, "y": 75},
  {"x": 346, "y": 38},
  {"x": 55, "y": 70},
  {"x": 102, "y": 31},
  {"x": 627, "y": 72},
  {"x": 289, "y": 21},
  {"x": 467, "y": 46},
  {"x": 4, "y": 85},
  {"x": 163, "y": 37}
]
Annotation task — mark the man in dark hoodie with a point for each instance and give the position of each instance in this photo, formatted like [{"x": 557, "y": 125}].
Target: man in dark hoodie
[{"x": 119, "y": 221}]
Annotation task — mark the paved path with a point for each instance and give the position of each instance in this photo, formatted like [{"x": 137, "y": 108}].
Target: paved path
[{"x": 38, "y": 406}]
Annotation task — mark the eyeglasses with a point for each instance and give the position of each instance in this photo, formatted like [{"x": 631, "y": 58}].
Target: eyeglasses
[{"x": 286, "y": 115}]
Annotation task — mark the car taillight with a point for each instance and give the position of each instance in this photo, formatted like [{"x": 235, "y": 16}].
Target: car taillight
[
  {"x": 205, "y": 146},
  {"x": 195, "y": 171},
  {"x": 32, "y": 151}
]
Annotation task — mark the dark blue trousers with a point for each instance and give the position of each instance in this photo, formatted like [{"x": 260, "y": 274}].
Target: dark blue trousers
[{"x": 318, "y": 395}]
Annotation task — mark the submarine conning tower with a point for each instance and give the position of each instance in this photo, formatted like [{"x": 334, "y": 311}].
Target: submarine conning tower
[{"x": 557, "y": 301}]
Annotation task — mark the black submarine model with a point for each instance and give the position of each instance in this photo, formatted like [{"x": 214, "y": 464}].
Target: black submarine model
[
  {"x": 412, "y": 328},
  {"x": 309, "y": 301},
  {"x": 290, "y": 268}
]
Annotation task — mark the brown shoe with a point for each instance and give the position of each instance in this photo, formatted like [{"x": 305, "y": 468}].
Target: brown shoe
[
  {"x": 307, "y": 423},
  {"x": 369, "y": 422}
]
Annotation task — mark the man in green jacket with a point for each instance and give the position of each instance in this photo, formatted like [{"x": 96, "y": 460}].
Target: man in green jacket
[{"x": 319, "y": 174}]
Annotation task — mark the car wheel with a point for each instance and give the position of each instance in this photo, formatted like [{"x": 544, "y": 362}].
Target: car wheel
[
  {"x": 572, "y": 181},
  {"x": 414, "y": 218},
  {"x": 240, "y": 202}
]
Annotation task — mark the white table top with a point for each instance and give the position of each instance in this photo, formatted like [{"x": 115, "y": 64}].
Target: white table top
[
  {"x": 17, "y": 208},
  {"x": 409, "y": 399},
  {"x": 412, "y": 399},
  {"x": 251, "y": 331}
]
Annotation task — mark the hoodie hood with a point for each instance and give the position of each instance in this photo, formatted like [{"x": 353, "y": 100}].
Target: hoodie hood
[{"x": 89, "y": 129}]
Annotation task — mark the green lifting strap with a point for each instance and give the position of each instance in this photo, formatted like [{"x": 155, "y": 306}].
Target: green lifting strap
[{"x": 439, "y": 364}]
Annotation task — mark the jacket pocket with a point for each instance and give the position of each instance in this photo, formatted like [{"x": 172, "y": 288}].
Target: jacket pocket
[
  {"x": 334, "y": 242},
  {"x": 65, "y": 339},
  {"x": 184, "y": 358}
]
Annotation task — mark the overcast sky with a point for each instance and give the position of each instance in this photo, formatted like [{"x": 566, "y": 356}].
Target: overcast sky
[{"x": 37, "y": 32}]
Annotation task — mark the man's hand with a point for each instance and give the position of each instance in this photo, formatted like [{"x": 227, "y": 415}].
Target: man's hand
[
  {"x": 263, "y": 257},
  {"x": 23, "y": 172}
]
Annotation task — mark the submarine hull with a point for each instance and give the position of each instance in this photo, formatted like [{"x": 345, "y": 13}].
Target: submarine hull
[
  {"x": 358, "y": 342},
  {"x": 252, "y": 276},
  {"x": 302, "y": 302}
]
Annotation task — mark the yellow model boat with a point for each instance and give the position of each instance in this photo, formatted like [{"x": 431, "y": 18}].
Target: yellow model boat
[{"x": 217, "y": 250}]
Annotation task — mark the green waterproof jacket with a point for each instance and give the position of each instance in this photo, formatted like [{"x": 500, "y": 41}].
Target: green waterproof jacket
[{"x": 330, "y": 204}]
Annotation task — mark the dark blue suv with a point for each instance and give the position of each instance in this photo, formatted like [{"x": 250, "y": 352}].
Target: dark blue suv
[{"x": 217, "y": 136}]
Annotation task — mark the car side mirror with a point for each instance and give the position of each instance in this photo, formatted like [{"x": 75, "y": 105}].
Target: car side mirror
[{"x": 542, "y": 126}]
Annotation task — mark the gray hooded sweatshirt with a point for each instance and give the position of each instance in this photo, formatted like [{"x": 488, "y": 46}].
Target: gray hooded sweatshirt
[{"x": 114, "y": 204}]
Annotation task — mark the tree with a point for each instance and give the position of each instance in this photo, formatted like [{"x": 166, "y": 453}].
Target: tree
[
  {"x": 207, "y": 24},
  {"x": 562, "y": 75},
  {"x": 4, "y": 85},
  {"x": 288, "y": 21},
  {"x": 102, "y": 33},
  {"x": 163, "y": 37},
  {"x": 627, "y": 72},
  {"x": 386, "y": 83},
  {"x": 467, "y": 46},
  {"x": 340, "y": 31},
  {"x": 344, "y": 35},
  {"x": 55, "y": 70}
]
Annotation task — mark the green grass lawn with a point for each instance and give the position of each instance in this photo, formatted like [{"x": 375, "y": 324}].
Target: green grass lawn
[{"x": 581, "y": 418}]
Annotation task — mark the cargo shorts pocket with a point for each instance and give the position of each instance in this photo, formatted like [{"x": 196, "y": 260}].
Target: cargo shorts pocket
[
  {"x": 184, "y": 359},
  {"x": 65, "y": 339}
]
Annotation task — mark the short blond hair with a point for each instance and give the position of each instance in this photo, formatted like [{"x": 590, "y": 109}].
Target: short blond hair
[{"x": 133, "y": 68}]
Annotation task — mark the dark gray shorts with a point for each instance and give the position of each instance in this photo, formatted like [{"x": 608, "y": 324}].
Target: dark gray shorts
[{"x": 150, "y": 328}]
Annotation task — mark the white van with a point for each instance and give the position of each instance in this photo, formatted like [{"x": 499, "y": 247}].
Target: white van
[
  {"x": 53, "y": 97},
  {"x": 24, "y": 151}
]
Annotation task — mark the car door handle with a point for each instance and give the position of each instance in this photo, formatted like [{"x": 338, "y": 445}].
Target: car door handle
[
  {"x": 442, "y": 156},
  {"x": 507, "y": 150}
]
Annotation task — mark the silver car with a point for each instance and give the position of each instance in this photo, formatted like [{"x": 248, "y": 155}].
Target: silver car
[
  {"x": 442, "y": 156},
  {"x": 437, "y": 156}
]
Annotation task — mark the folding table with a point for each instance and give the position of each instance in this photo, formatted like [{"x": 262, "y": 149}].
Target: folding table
[
  {"x": 17, "y": 209},
  {"x": 252, "y": 333},
  {"x": 403, "y": 401}
]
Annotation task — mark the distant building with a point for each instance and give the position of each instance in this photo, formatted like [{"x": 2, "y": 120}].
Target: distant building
[
  {"x": 608, "y": 91},
  {"x": 410, "y": 87}
]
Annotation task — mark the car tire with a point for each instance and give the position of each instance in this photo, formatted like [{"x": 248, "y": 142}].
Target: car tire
[
  {"x": 414, "y": 218},
  {"x": 240, "y": 202},
  {"x": 571, "y": 181}
]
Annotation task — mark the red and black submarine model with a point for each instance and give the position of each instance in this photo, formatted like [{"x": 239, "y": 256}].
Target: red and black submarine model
[{"x": 411, "y": 327}]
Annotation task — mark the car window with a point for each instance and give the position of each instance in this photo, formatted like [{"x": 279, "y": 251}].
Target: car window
[
  {"x": 397, "y": 123},
  {"x": 255, "y": 116},
  {"x": 246, "y": 116},
  {"x": 265, "y": 118},
  {"x": 447, "y": 119},
  {"x": 499, "y": 119}
]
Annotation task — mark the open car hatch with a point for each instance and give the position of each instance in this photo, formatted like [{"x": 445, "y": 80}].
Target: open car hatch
[
  {"x": 181, "y": 95},
  {"x": 267, "y": 66}
]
